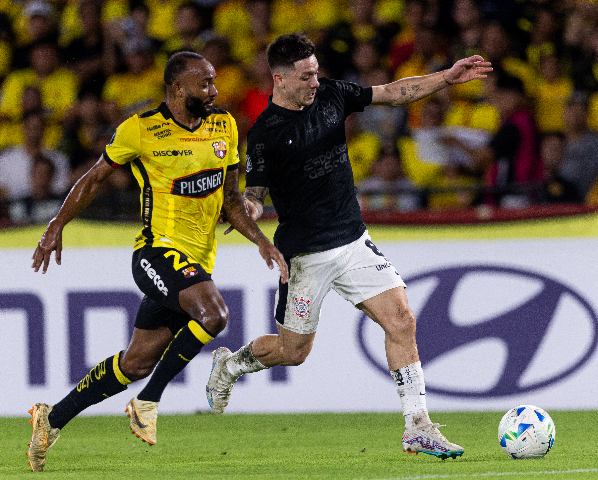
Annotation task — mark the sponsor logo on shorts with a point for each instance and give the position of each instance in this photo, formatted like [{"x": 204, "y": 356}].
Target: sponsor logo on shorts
[
  {"x": 151, "y": 273},
  {"x": 383, "y": 266},
  {"x": 301, "y": 307},
  {"x": 219, "y": 148},
  {"x": 200, "y": 184},
  {"x": 190, "y": 271}
]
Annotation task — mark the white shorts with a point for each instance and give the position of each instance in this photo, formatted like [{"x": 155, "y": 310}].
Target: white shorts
[{"x": 357, "y": 271}]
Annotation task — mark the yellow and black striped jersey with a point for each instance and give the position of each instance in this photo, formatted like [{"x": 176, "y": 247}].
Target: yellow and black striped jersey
[{"x": 181, "y": 173}]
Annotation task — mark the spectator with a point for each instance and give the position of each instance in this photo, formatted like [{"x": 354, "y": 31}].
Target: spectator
[
  {"x": 42, "y": 204},
  {"x": 551, "y": 92},
  {"x": 497, "y": 45},
  {"x": 191, "y": 31},
  {"x": 85, "y": 123},
  {"x": 555, "y": 189},
  {"x": 363, "y": 148},
  {"x": 256, "y": 97},
  {"x": 432, "y": 163},
  {"x": 511, "y": 161},
  {"x": 85, "y": 55},
  {"x": 231, "y": 82},
  {"x": 16, "y": 164},
  {"x": 57, "y": 85},
  {"x": 387, "y": 187},
  {"x": 247, "y": 23},
  {"x": 138, "y": 89},
  {"x": 580, "y": 165},
  {"x": 40, "y": 27},
  {"x": 429, "y": 57}
]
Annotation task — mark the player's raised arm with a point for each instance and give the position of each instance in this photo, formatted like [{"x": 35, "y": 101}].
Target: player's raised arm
[
  {"x": 242, "y": 218},
  {"x": 81, "y": 195},
  {"x": 410, "y": 89}
]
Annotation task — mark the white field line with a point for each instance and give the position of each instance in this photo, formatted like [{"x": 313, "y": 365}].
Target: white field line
[{"x": 491, "y": 474}]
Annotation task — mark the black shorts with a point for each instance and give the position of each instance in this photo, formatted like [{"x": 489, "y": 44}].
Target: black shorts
[
  {"x": 162, "y": 273},
  {"x": 152, "y": 315}
]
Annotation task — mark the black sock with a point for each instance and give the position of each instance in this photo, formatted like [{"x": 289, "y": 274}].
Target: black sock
[
  {"x": 103, "y": 381},
  {"x": 187, "y": 343}
]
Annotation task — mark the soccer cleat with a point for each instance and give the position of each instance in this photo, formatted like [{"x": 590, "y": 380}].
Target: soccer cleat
[
  {"x": 428, "y": 439},
  {"x": 143, "y": 415},
  {"x": 44, "y": 436},
  {"x": 221, "y": 382}
]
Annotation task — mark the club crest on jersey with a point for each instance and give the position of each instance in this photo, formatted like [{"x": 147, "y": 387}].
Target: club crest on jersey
[
  {"x": 190, "y": 271},
  {"x": 301, "y": 307},
  {"x": 219, "y": 148}
]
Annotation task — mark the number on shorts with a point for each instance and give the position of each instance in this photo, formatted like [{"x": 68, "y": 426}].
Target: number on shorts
[
  {"x": 373, "y": 247},
  {"x": 177, "y": 264}
]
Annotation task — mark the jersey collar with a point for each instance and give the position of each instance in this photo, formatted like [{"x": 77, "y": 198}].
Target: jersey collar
[{"x": 167, "y": 114}]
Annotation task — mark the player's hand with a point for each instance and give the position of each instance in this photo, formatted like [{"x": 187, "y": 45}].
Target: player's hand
[
  {"x": 466, "y": 69},
  {"x": 51, "y": 240},
  {"x": 269, "y": 252}
]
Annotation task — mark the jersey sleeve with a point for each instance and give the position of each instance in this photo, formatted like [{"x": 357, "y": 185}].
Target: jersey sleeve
[
  {"x": 125, "y": 145},
  {"x": 233, "y": 162},
  {"x": 355, "y": 97},
  {"x": 256, "y": 162}
]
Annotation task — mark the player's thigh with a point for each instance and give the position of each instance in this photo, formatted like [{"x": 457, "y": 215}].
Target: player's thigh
[
  {"x": 163, "y": 273},
  {"x": 297, "y": 303},
  {"x": 387, "y": 307}
]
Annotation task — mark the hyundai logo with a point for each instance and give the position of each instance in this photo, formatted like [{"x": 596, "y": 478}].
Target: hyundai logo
[{"x": 521, "y": 327}]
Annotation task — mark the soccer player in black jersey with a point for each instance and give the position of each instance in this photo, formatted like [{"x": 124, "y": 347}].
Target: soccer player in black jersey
[
  {"x": 184, "y": 155},
  {"x": 297, "y": 152}
]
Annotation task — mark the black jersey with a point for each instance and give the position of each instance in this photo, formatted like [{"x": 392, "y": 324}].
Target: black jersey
[{"x": 301, "y": 156}]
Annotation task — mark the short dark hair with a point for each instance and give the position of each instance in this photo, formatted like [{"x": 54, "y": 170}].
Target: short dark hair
[
  {"x": 288, "y": 49},
  {"x": 177, "y": 64}
]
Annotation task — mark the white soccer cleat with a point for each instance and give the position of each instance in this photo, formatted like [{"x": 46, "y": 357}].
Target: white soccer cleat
[
  {"x": 428, "y": 439},
  {"x": 221, "y": 382}
]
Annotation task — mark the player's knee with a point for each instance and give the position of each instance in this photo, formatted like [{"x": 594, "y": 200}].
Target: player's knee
[
  {"x": 213, "y": 318},
  {"x": 136, "y": 369},
  {"x": 295, "y": 357},
  {"x": 402, "y": 325}
]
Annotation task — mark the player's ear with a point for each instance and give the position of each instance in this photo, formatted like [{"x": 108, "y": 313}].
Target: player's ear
[{"x": 278, "y": 80}]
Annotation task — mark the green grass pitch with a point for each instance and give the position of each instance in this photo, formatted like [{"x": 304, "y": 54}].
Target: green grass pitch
[{"x": 298, "y": 446}]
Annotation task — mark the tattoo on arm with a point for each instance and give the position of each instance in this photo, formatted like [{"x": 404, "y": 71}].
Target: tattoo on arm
[
  {"x": 403, "y": 91},
  {"x": 256, "y": 195}
]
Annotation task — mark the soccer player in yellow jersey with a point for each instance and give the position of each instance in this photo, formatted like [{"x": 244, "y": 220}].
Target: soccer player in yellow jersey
[{"x": 184, "y": 155}]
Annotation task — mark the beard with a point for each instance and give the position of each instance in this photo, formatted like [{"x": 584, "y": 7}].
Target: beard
[{"x": 196, "y": 107}]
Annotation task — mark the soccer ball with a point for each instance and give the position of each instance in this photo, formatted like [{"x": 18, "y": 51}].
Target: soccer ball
[{"x": 526, "y": 431}]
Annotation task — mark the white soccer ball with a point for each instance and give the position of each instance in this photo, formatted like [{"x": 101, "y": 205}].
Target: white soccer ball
[{"x": 526, "y": 431}]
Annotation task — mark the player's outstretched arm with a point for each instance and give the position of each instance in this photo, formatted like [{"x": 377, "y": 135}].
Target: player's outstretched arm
[
  {"x": 411, "y": 89},
  {"x": 82, "y": 193},
  {"x": 242, "y": 217}
]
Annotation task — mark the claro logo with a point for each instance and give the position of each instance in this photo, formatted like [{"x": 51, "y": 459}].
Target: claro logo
[
  {"x": 151, "y": 273},
  {"x": 546, "y": 332}
]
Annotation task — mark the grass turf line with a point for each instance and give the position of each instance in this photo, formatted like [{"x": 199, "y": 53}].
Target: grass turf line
[{"x": 302, "y": 446}]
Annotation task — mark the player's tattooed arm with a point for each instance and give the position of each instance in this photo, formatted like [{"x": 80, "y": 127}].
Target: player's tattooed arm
[
  {"x": 411, "y": 89},
  {"x": 254, "y": 198}
]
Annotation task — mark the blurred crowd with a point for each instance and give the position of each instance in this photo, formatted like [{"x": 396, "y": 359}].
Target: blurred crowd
[{"x": 71, "y": 70}]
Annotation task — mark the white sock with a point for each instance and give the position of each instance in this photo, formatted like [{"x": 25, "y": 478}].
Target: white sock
[
  {"x": 412, "y": 391},
  {"x": 243, "y": 361}
]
